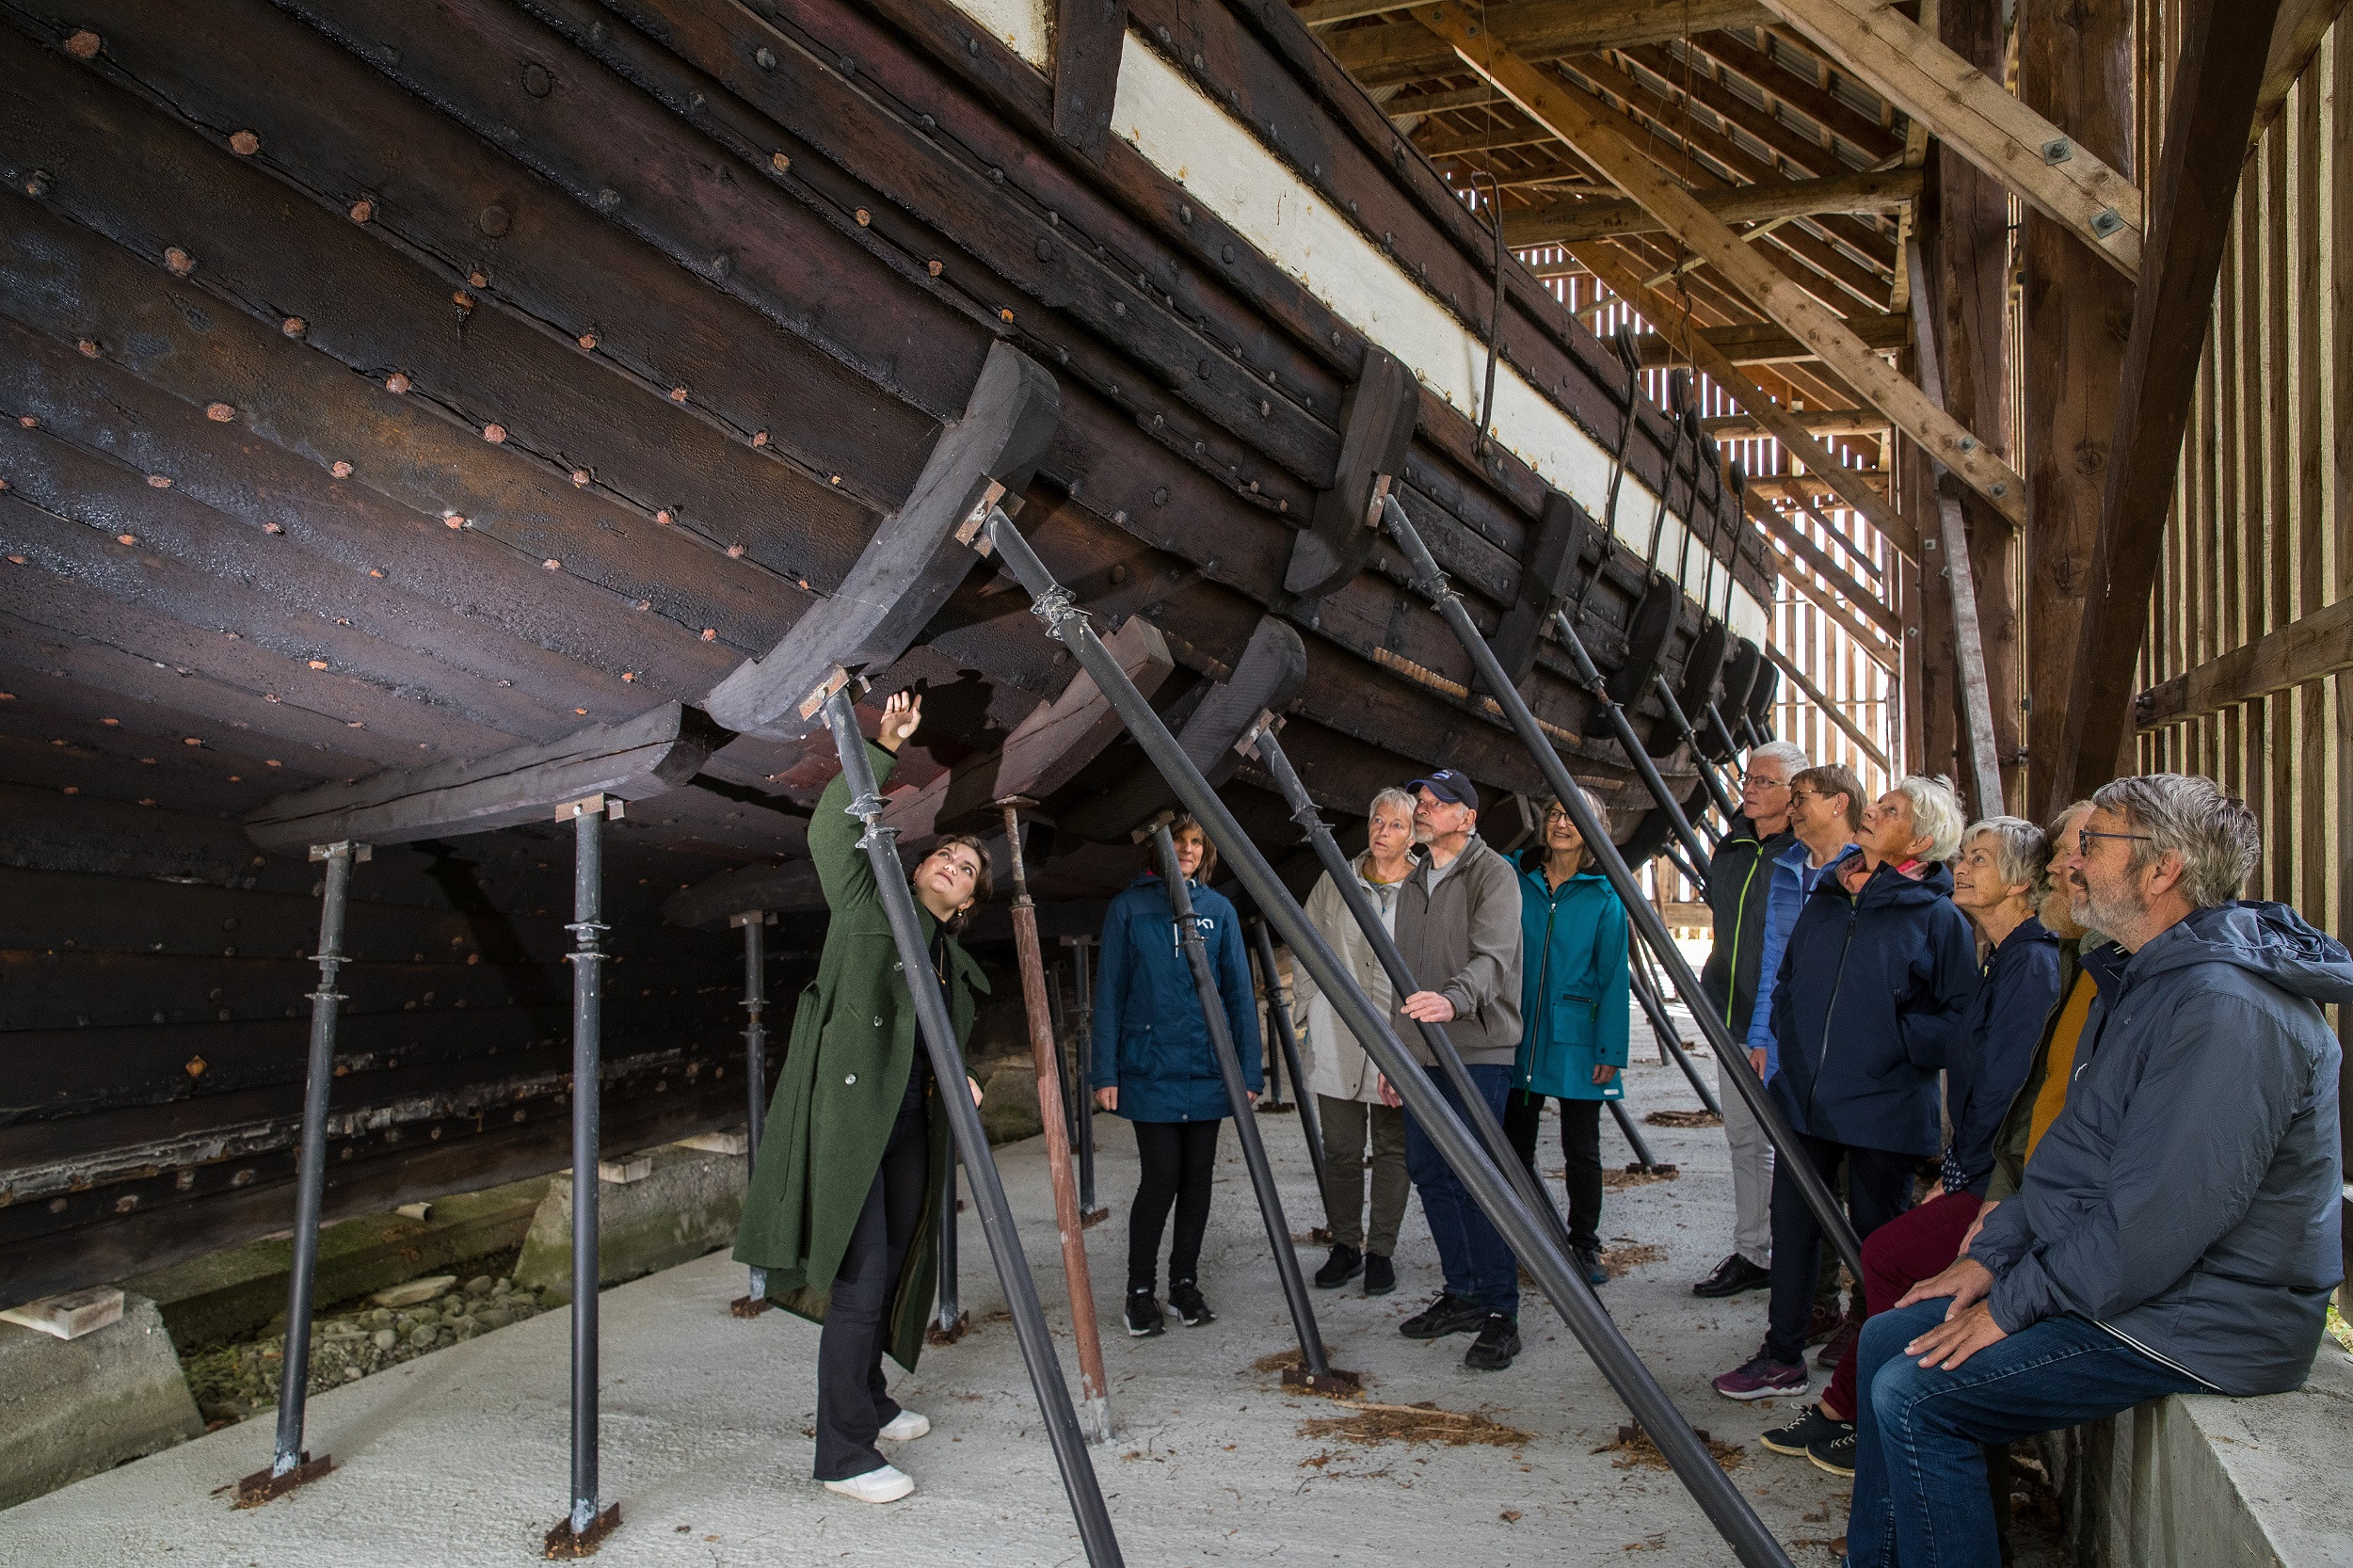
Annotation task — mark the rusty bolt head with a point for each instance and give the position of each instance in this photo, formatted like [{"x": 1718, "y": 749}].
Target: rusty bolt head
[
  {"x": 663, "y": 518},
  {"x": 149, "y": 800},
  {"x": 463, "y": 300},
  {"x": 1004, "y": 315},
  {"x": 451, "y": 519},
  {"x": 362, "y": 210},
  {"x": 629, "y": 674},
  {"x": 273, "y": 528},
  {"x": 161, "y": 482},
  {"x": 479, "y": 279},
  {"x": 294, "y": 327},
  {"x": 710, "y": 633},
  {"x": 179, "y": 261},
  {"x": 865, "y": 218},
  {"x": 318, "y": 664},
  {"x": 244, "y": 143},
  {"x": 271, "y": 697},
  {"x": 396, "y": 382},
  {"x": 835, "y": 479},
  {"x": 582, "y": 711},
  {"x": 735, "y": 552},
  {"x": 340, "y": 471},
  {"x": 126, "y": 538},
  {"x": 588, "y": 340},
  {"x": 780, "y": 163},
  {"x": 580, "y": 476},
  {"x": 934, "y": 268},
  {"x": 272, "y": 762},
  {"x": 89, "y": 348},
  {"x": 354, "y": 724},
  {"x": 376, "y": 572},
  {"x": 678, "y": 394},
  {"x": 83, "y": 45},
  {"x": 764, "y": 58},
  {"x": 28, "y": 422},
  {"x": 553, "y": 563},
  {"x": 219, "y": 413},
  {"x": 73, "y": 789},
  {"x": 494, "y": 433},
  {"x": 191, "y": 741},
  {"x": 110, "y": 722},
  {"x": 645, "y": 604},
  {"x": 760, "y": 438},
  {"x": 37, "y": 182}
]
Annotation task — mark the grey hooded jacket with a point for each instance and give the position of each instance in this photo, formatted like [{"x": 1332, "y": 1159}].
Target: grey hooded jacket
[
  {"x": 2185, "y": 1200},
  {"x": 1462, "y": 940}
]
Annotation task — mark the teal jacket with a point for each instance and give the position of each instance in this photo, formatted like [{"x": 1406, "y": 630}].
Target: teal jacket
[{"x": 1573, "y": 987}]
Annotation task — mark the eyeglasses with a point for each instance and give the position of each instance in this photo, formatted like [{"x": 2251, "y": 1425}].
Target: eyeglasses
[
  {"x": 1758, "y": 781},
  {"x": 1554, "y": 814},
  {"x": 1796, "y": 796},
  {"x": 2084, "y": 837}
]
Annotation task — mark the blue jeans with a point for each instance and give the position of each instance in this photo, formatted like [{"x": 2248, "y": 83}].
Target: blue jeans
[
  {"x": 1476, "y": 1262},
  {"x": 1920, "y": 1494}
]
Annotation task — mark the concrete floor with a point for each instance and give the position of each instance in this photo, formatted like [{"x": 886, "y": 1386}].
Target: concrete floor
[{"x": 461, "y": 1456}]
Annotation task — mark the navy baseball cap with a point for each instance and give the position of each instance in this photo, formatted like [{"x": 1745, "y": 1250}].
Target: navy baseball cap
[{"x": 1446, "y": 784}]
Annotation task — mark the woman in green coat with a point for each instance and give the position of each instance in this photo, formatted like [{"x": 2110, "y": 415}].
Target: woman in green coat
[{"x": 843, "y": 1209}]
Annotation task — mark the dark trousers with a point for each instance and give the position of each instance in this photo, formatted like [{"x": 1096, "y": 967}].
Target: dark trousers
[
  {"x": 1580, "y": 1148},
  {"x": 1920, "y": 1244},
  {"x": 1178, "y": 1160},
  {"x": 1472, "y": 1255},
  {"x": 852, "y": 1405},
  {"x": 1879, "y": 1187}
]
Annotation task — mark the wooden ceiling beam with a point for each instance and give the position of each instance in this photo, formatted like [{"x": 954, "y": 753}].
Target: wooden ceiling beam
[
  {"x": 1538, "y": 30},
  {"x": 1763, "y": 344},
  {"x": 1557, "y": 103},
  {"x": 1756, "y": 204},
  {"x": 1738, "y": 54},
  {"x": 1821, "y": 422},
  {"x": 2295, "y": 40},
  {"x": 1979, "y": 119}
]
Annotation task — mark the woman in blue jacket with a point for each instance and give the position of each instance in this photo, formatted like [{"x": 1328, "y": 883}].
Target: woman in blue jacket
[
  {"x": 1154, "y": 1065},
  {"x": 1574, "y": 991}
]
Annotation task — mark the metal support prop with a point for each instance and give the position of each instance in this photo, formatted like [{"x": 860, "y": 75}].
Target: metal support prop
[
  {"x": 1669, "y": 1038},
  {"x": 1726, "y": 1508},
  {"x": 1278, "y": 1012},
  {"x": 1636, "y": 752},
  {"x": 1082, "y": 971},
  {"x": 964, "y": 1120},
  {"x": 755, "y": 924},
  {"x": 290, "y": 1466},
  {"x": 586, "y": 1526},
  {"x": 1094, "y": 1410},
  {"x": 1716, "y": 790},
  {"x": 1491, "y": 1134},
  {"x": 1724, "y": 731},
  {"x": 1272, "y": 1099},
  {"x": 1731, "y": 1062},
  {"x": 1642, "y": 1159},
  {"x": 949, "y": 1320},
  {"x": 1318, "y": 1373}
]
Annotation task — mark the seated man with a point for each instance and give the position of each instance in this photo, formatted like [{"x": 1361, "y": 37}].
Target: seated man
[{"x": 2177, "y": 1228}]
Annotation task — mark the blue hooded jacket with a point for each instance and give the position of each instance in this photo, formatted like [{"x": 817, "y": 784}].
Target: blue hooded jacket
[
  {"x": 1792, "y": 879},
  {"x": 2186, "y": 1197},
  {"x": 2016, "y": 991},
  {"x": 1150, "y": 1041},
  {"x": 1574, "y": 986},
  {"x": 1867, "y": 1007}
]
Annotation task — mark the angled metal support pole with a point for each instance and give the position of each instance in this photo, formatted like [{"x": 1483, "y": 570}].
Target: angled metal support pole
[
  {"x": 1716, "y": 790},
  {"x": 584, "y": 1528},
  {"x": 1636, "y": 752},
  {"x": 1731, "y": 1062},
  {"x": 964, "y": 1122},
  {"x": 1669, "y": 1038},
  {"x": 290, "y": 1463},
  {"x": 1318, "y": 1373},
  {"x": 754, "y": 923},
  {"x": 1082, "y": 1060},
  {"x": 1643, "y": 1158},
  {"x": 949, "y": 1320},
  {"x": 1724, "y": 731},
  {"x": 1392, "y": 961},
  {"x": 1726, "y": 1508},
  {"x": 1278, "y": 1012}
]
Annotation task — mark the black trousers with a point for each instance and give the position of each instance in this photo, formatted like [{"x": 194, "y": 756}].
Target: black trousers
[
  {"x": 1879, "y": 1187},
  {"x": 1580, "y": 1148},
  {"x": 1178, "y": 1159},
  {"x": 851, "y": 1405}
]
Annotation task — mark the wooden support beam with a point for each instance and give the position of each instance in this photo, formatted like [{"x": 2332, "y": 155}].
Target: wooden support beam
[
  {"x": 1763, "y": 344},
  {"x": 1878, "y": 652},
  {"x": 2318, "y": 646},
  {"x": 2195, "y": 196},
  {"x": 1868, "y": 192},
  {"x": 1792, "y": 486},
  {"x": 646, "y": 756},
  {"x": 1976, "y": 117},
  {"x": 2295, "y": 40},
  {"x": 1800, "y": 444},
  {"x": 1089, "y": 36},
  {"x": 1538, "y": 30},
  {"x": 1831, "y": 711},
  {"x": 1819, "y": 561},
  {"x": 1820, "y": 422},
  {"x": 1575, "y": 115}
]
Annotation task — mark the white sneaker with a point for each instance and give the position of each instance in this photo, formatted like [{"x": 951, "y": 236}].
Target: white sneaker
[
  {"x": 885, "y": 1485},
  {"x": 905, "y": 1427}
]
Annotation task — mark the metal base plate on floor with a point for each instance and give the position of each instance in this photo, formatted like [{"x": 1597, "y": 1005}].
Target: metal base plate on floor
[
  {"x": 1277, "y": 1108},
  {"x": 1664, "y": 1168},
  {"x": 260, "y": 1486},
  {"x": 936, "y": 1334},
  {"x": 749, "y": 1306},
  {"x": 1333, "y": 1381},
  {"x": 1094, "y": 1217},
  {"x": 562, "y": 1542}
]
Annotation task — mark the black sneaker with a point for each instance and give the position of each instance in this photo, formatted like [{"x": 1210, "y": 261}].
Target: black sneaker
[
  {"x": 1498, "y": 1341},
  {"x": 1448, "y": 1314},
  {"x": 1588, "y": 1260},
  {"x": 1807, "y": 1429},
  {"x": 1143, "y": 1315},
  {"x": 1835, "y": 1454},
  {"x": 1732, "y": 1276},
  {"x": 1184, "y": 1299},
  {"x": 1380, "y": 1274},
  {"x": 1344, "y": 1264}
]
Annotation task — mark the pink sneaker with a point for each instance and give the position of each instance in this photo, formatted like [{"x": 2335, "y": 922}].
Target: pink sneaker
[{"x": 1759, "y": 1378}]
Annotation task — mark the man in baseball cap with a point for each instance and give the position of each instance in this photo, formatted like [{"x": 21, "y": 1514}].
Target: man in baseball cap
[{"x": 1449, "y": 786}]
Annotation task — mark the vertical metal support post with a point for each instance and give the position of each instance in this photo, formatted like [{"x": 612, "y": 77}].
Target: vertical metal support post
[
  {"x": 1278, "y": 1011},
  {"x": 1669, "y": 1038},
  {"x": 1082, "y": 1056},
  {"x": 1094, "y": 1410},
  {"x": 1728, "y": 1511},
  {"x": 1731, "y": 1062},
  {"x": 937, "y": 1032},
  {"x": 950, "y": 1322},
  {"x": 1272, "y": 1099},
  {"x": 290, "y": 1466},
  {"x": 754, "y": 923},
  {"x": 586, "y": 1526},
  {"x": 1318, "y": 1373}
]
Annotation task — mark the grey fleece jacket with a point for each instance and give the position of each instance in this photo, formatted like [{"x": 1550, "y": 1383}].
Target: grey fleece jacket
[
  {"x": 1462, "y": 940},
  {"x": 2185, "y": 1200}
]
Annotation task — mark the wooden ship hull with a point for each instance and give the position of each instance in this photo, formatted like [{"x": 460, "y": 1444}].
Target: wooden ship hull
[{"x": 397, "y": 388}]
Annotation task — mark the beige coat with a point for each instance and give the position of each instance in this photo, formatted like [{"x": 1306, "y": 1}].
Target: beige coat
[{"x": 1337, "y": 1068}]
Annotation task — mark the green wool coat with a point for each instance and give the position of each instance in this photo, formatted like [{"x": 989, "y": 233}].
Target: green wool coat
[{"x": 838, "y": 1094}]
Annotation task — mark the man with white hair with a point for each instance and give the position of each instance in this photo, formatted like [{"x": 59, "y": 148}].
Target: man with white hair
[
  {"x": 1872, "y": 986},
  {"x": 2176, "y": 1230},
  {"x": 1739, "y": 880}
]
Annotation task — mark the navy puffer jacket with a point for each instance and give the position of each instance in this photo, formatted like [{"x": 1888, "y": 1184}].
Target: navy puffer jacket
[
  {"x": 1867, "y": 1006},
  {"x": 1149, "y": 1038}
]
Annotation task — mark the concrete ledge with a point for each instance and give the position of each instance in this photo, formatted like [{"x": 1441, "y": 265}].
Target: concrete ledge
[
  {"x": 687, "y": 1203},
  {"x": 2201, "y": 1481},
  {"x": 70, "y": 1408}
]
